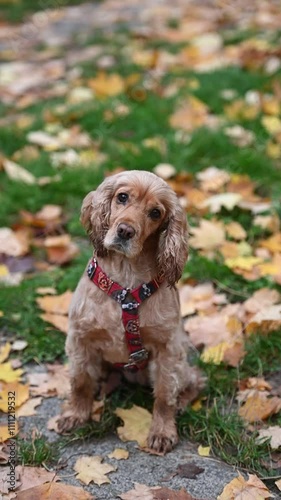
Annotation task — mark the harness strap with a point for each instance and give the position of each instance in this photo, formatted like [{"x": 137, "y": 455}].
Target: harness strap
[{"x": 129, "y": 301}]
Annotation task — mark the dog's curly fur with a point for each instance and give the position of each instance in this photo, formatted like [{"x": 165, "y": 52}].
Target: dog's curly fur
[{"x": 96, "y": 335}]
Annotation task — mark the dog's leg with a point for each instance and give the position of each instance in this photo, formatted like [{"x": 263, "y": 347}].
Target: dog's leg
[
  {"x": 85, "y": 372},
  {"x": 175, "y": 385},
  {"x": 163, "y": 434}
]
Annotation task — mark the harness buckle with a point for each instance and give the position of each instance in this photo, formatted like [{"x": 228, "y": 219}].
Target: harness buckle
[
  {"x": 137, "y": 357},
  {"x": 130, "y": 306},
  {"x": 92, "y": 266}
]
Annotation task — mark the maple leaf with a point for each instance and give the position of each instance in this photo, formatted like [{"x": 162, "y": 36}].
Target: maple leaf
[
  {"x": 106, "y": 85},
  {"x": 274, "y": 433},
  {"x": 235, "y": 231},
  {"x": 269, "y": 318},
  {"x": 92, "y": 469},
  {"x": 238, "y": 488},
  {"x": 28, "y": 408},
  {"x": 218, "y": 201},
  {"x": 137, "y": 423},
  {"x": 14, "y": 243},
  {"x": 259, "y": 407},
  {"x": 58, "y": 304},
  {"x": 8, "y": 374},
  {"x": 53, "y": 491},
  {"x": 212, "y": 178},
  {"x": 21, "y": 391},
  {"x": 208, "y": 235},
  {"x": 8, "y": 432}
]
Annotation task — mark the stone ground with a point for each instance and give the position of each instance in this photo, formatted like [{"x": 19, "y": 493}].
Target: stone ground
[{"x": 140, "y": 467}]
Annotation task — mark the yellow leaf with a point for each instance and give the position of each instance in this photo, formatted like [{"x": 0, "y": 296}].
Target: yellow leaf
[
  {"x": 21, "y": 392},
  {"x": 4, "y": 352},
  {"x": 235, "y": 231},
  {"x": 204, "y": 451},
  {"x": 137, "y": 423},
  {"x": 214, "y": 354},
  {"x": 259, "y": 407},
  {"x": 239, "y": 488},
  {"x": 8, "y": 433},
  {"x": 197, "y": 405},
  {"x": 273, "y": 150},
  {"x": 272, "y": 124},
  {"x": 8, "y": 374},
  {"x": 4, "y": 271},
  {"x": 92, "y": 469},
  {"x": 106, "y": 85},
  {"x": 119, "y": 454},
  {"x": 273, "y": 244},
  {"x": 246, "y": 263}
]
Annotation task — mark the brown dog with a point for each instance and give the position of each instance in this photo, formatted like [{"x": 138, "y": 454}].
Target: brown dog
[{"x": 139, "y": 232}]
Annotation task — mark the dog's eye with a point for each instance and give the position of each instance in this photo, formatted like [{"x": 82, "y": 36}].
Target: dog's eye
[
  {"x": 122, "y": 197},
  {"x": 155, "y": 214}
]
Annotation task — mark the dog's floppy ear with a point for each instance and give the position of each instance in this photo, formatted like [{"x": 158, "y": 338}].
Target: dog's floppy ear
[
  {"x": 173, "y": 245},
  {"x": 95, "y": 214}
]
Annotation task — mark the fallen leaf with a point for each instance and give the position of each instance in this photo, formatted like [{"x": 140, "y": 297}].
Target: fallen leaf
[
  {"x": 165, "y": 170},
  {"x": 28, "y": 408},
  {"x": 259, "y": 407},
  {"x": 19, "y": 345},
  {"x": 212, "y": 178},
  {"x": 214, "y": 354},
  {"x": 34, "y": 476},
  {"x": 58, "y": 304},
  {"x": 8, "y": 374},
  {"x": 274, "y": 433},
  {"x": 13, "y": 243},
  {"x": 54, "y": 383},
  {"x": 92, "y": 469},
  {"x": 278, "y": 484},
  {"x": 105, "y": 85},
  {"x": 245, "y": 263},
  {"x": 224, "y": 200},
  {"x": 60, "y": 249},
  {"x": 240, "y": 136},
  {"x": 140, "y": 492},
  {"x": 8, "y": 432},
  {"x": 204, "y": 451},
  {"x": 17, "y": 173},
  {"x": 239, "y": 488},
  {"x": 54, "y": 491},
  {"x": 268, "y": 319},
  {"x": 57, "y": 320},
  {"x": 273, "y": 244},
  {"x": 167, "y": 494},
  {"x": 235, "y": 231},
  {"x": 21, "y": 392},
  {"x": 207, "y": 236},
  {"x": 263, "y": 298},
  {"x": 4, "y": 352},
  {"x": 189, "y": 470},
  {"x": 137, "y": 423},
  {"x": 119, "y": 454},
  {"x": 46, "y": 290}
]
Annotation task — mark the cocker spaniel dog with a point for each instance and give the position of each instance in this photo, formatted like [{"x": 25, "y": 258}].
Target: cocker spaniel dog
[{"x": 125, "y": 310}]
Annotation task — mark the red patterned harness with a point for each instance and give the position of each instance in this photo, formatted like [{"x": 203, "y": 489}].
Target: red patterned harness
[{"x": 129, "y": 300}]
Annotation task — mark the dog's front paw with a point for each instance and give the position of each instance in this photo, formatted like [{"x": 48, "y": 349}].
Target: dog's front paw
[
  {"x": 162, "y": 442},
  {"x": 70, "y": 420}
]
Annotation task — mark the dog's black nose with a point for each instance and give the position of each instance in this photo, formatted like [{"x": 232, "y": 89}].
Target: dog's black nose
[{"x": 125, "y": 232}]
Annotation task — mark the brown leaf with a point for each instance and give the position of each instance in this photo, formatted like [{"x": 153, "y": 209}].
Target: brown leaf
[
  {"x": 14, "y": 243},
  {"x": 57, "y": 320},
  {"x": 274, "y": 433},
  {"x": 253, "y": 489},
  {"x": 54, "y": 491},
  {"x": 28, "y": 408},
  {"x": 167, "y": 494},
  {"x": 263, "y": 298},
  {"x": 189, "y": 470},
  {"x": 259, "y": 407},
  {"x": 57, "y": 304},
  {"x": 140, "y": 492}
]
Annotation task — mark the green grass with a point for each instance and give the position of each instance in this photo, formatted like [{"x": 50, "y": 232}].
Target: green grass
[{"x": 36, "y": 450}]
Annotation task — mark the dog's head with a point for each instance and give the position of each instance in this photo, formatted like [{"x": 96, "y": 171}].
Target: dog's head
[{"x": 130, "y": 208}]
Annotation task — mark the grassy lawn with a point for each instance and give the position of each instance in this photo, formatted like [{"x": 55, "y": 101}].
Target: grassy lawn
[{"x": 122, "y": 137}]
